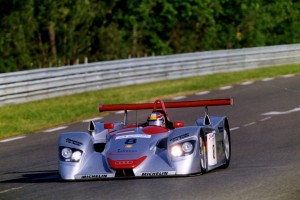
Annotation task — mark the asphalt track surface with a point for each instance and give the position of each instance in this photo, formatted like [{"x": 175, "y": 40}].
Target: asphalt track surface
[{"x": 265, "y": 162}]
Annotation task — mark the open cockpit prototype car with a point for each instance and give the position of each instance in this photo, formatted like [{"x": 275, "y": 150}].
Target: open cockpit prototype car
[{"x": 157, "y": 147}]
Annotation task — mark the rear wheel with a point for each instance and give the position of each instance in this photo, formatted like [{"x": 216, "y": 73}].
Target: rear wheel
[
  {"x": 202, "y": 152},
  {"x": 226, "y": 145}
]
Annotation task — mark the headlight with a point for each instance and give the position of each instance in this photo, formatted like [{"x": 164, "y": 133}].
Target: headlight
[
  {"x": 187, "y": 147},
  {"x": 66, "y": 153},
  {"x": 76, "y": 156},
  {"x": 69, "y": 154},
  {"x": 176, "y": 151},
  {"x": 182, "y": 149}
]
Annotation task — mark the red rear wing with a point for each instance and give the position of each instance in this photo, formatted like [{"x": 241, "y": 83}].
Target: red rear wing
[{"x": 160, "y": 103}]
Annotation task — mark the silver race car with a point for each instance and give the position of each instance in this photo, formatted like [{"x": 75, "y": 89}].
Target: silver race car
[{"x": 157, "y": 147}]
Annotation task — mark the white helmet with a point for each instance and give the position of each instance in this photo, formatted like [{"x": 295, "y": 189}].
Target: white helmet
[{"x": 156, "y": 119}]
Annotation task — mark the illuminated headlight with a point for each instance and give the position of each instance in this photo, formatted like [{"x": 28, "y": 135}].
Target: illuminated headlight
[
  {"x": 76, "y": 156},
  {"x": 182, "y": 149},
  {"x": 70, "y": 154},
  {"x": 176, "y": 151}
]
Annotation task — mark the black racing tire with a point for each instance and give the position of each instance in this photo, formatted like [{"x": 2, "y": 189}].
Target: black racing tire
[
  {"x": 226, "y": 145},
  {"x": 202, "y": 153}
]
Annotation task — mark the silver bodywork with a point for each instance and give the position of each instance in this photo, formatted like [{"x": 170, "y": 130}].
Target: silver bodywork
[{"x": 144, "y": 151}]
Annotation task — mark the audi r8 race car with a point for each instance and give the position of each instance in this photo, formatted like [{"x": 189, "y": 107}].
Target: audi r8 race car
[{"x": 157, "y": 147}]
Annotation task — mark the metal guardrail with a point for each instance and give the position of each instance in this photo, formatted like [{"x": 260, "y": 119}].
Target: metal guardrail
[{"x": 25, "y": 86}]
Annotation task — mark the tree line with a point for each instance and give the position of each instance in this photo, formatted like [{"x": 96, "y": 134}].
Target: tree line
[{"x": 49, "y": 33}]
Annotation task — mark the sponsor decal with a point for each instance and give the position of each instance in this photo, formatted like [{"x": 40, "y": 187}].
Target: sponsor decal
[
  {"x": 211, "y": 136},
  {"x": 123, "y": 152},
  {"x": 68, "y": 140},
  {"x": 95, "y": 176},
  {"x": 180, "y": 137},
  {"x": 123, "y": 162},
  {"x": 128, "y": 146},
  {"x": 126, "y": 151},
  {"x": 155, "y": 173},
  {"x": 133, "y": 136}
]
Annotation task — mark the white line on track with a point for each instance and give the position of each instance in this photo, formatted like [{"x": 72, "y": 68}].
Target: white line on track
[
  {"x": 288, "y": 75},
  {"x": 11, "y": 189},
  {"x": 226, "y": 88},
  {"x": 282, "y": 112},
  {"x": 247, "y": 83},
  {"x": 265, "y": 119},
  {"x": 12, "y": 139},
  {"x": 121, "y": 112},
  {"x": 179, "y": 98},
  {"x": 203, "y": 93},
  {"x": 92, "y": 119},
  {"x": 234, "y": 128},
  {"x": 55, "y": 129},
  {"x": 249, "y": 124},
  {"x": 268, "y": 79}
]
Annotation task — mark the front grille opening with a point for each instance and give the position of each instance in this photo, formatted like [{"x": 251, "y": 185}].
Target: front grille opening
[
  {"x": 99, "y": 147},
  {"x": 124, "y": 173}
]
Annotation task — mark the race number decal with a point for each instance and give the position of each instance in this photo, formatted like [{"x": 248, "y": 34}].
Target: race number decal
[
  {"x": 211, "y": 149},
  {"x": 130, "y": 141}
]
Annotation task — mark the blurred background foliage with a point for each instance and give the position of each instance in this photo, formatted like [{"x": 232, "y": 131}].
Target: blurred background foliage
[{"x": 49, "y": 33}]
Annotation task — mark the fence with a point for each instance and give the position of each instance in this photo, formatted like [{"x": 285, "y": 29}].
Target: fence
[{"x": 25, "y": 86}]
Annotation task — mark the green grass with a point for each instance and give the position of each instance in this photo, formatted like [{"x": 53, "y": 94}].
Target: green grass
[{"x": 40, "y": 115}]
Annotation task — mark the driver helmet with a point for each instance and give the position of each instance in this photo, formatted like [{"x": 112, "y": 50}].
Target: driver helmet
[{"x": 156, "y": 119}]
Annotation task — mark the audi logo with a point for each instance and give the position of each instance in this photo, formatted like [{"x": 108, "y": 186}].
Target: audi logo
[{"x": 124, "y": 162}]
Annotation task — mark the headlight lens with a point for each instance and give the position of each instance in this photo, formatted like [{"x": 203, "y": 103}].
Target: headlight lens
[
  {"x": 69, "y": 154},
  {"x": 182, "y": 149},
  {"x": 187, "y": 147},
  {"x": 66, "y": 153}
]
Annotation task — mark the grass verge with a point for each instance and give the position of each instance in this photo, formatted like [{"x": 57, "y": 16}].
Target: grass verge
[{"x": 40, "y": 115}]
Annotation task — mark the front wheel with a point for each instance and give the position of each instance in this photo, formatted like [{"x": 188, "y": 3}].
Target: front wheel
[
  {"x": 202, "y": 152},
  {"x": 226, "y": 145}
]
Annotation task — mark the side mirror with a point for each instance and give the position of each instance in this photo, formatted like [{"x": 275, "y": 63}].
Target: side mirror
[
  {"x": 109, "y": 125},
  {"x": 206, "y": 121},
  {"x": 178, "y": 124},
  {"x": 92, "y": 128}
]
